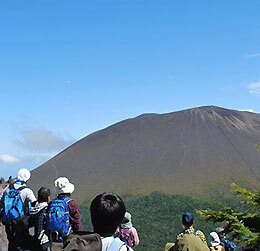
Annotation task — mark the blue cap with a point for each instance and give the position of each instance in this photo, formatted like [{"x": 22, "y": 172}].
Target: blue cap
[{"x": 187, "y": 219}]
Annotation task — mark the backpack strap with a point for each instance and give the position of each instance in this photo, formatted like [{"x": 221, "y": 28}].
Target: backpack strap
[
  {"x": 116, "y": 245},
  {"x": 21, "y": 188},
  {"x": 11, "y": 186},
  {"x": 67, "y": 199}
]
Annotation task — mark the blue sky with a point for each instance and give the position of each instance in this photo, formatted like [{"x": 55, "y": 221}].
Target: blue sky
[{"x": 69, "y": 68}]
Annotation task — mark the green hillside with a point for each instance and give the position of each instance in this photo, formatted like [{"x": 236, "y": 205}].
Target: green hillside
[{"x": 157, "y": 217}]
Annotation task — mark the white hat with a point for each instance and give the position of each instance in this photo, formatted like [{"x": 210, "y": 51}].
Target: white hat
[
  {"x": 23, "y": 175},
  {"x": 214, "y": 239},
  {"x": 63, "y": 185},
  {"x": 127, "y": 223}
]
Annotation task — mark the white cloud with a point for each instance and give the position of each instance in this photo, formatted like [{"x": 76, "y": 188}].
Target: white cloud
[
  {"x": 248, "y": 110},
  {"x": 42, "y": 140},
  {"x": 254, "y": 87},
  {"x": 254, "y": 55},
  {"x": 8, "y": 159}
]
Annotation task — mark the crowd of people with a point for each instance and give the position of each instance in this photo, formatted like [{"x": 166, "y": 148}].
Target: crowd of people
[
  {"x": 195, "y": 240},
  {"x": 46, "y": 224}
]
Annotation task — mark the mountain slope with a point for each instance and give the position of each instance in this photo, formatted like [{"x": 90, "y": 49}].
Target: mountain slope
[{"x": 188, "y": 152}]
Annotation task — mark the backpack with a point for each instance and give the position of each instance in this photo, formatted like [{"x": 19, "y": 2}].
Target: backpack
[
  {"x": 14, "y": 208},
  {"x": 125, "y": 235},
  {"x": 116, "y": 245},
  {"x": 229, "y": 245},
  {"x": 58, "y": 219},
  {"x": 83, "y": 241}
]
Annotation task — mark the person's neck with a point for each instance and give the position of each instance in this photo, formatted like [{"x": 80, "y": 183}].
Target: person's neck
[
  {"x": 63, "y": 195},
  {"x": 104, "y": 235}
]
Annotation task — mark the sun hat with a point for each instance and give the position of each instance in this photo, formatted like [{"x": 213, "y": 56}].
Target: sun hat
[
  {"x": 127, "y": 223},
  {"x": 62, "y": 185},
  {"x": 214, "y": 239},
  {"x": 23, "y": 175}
]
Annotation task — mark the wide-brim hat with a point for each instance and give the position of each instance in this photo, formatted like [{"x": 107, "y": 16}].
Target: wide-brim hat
[
  {"x": 23, "y": 175},
  {"x": 63, "y": 185},
  {"x": 214, "y": 239}
]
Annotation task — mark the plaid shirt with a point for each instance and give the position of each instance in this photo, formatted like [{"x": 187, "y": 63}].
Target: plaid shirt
[{"x": 75, "y": 219}]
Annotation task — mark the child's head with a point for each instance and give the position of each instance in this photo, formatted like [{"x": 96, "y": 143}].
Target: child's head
[
  {"x": 44, "y": 194},
  {"x": 107, "y": 212}
]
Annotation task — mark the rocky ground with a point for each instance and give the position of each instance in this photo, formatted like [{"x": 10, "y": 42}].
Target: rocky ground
[{"x": 3, "y": 237}]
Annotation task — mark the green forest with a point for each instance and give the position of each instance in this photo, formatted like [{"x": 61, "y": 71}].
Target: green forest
[{"x": 157, "y": 217}]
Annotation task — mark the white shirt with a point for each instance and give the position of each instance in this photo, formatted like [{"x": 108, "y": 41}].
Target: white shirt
[
  {"x": 107, "y": 241},
  {"x": 26, "y": 193}
]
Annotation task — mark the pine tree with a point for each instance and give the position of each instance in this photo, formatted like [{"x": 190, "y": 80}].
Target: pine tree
[{"x": 243, "y": 227}]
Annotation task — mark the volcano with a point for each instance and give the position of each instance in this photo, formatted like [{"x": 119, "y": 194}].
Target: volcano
[{"x": 192, "y": 151}]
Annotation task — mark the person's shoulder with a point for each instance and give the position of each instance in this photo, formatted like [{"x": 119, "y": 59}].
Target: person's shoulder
[
  {"x": 73, "y": 204},
  {"x": 28, "y": 193},
  {"x": 27, "y": 190},
  {"x": 201, "y": 235},
  {"x": 71, "y": 201},
  {"x": 106, "y": 241},
  {"x": 126, "y": 248}
]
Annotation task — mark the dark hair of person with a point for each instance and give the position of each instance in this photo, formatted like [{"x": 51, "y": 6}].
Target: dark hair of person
[
  {"x": 187, "y": 219},
  {"x": 125, "y": 220},
  {"x": 43, "y": 194},
  {"x": 107, "y": 212}
]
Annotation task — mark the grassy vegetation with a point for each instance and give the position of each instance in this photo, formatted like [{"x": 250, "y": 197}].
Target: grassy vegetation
[{"x": 157, "y": 217}]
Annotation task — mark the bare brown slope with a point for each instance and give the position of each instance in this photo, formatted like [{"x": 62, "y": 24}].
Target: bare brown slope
[{"x": 180, "y": 152}]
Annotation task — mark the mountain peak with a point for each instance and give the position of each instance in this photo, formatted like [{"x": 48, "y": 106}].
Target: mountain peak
[{"x": 188, "y": 152}]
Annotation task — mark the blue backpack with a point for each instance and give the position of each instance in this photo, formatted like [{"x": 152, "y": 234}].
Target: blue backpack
[
  {"x": 14, "y": 208},
  {"x": 58, "y": 219},
  {"x": 229, "y": 245}
]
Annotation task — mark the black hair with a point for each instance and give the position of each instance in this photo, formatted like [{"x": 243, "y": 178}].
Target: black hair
[
  {"x": 43, "y": 194},
  {"x": 125, "y": 220},
  {"x": 187, "y": 219},
  {"x": 107, "y": 212}
]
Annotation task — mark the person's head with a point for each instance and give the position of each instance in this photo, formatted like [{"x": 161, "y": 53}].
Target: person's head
[
  {"x": 187, "y": 220},
  {"x": 44, "y": 194},
  {"x": 63, "y": 186},
  {"x": 127, "y": 221},
  {"x": 220, "y": 231},
  {"x": 107, "y": 212},
  {"x": 214, "y": 239},
  {"x": 23, "y": 175}
]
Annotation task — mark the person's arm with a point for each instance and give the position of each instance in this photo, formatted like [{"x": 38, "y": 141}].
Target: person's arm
[
  {"x": 30, "y": 196},
  {"x": 135, "y": 236},
  {"x": 75, "y": 218},
  {"x": 42, "y": 238}
]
